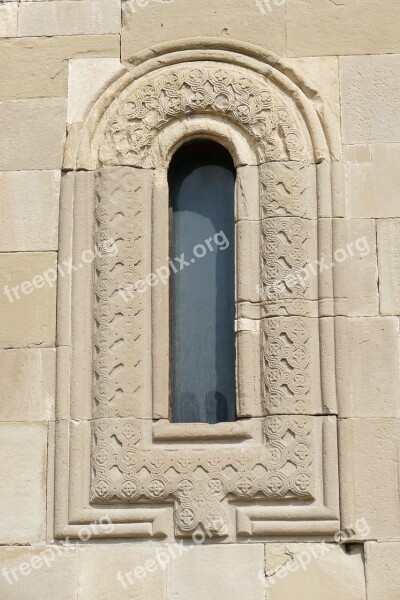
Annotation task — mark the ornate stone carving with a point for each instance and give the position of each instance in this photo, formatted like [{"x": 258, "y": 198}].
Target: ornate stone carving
[
  {"x": 284, "y": 258},
  {"x": 118, "y": 327},
  {"x": 286, "y": 357},
  {"x": 230, "y": 92},
  {"x": 278, "y": 484},
  {"x": 282, "y": 190},
  {"x": 124, "y": 470}
]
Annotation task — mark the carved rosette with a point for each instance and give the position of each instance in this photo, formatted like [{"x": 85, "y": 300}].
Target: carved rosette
[
  {"x": 124, "y": 470},
  {"x": 230, "y": 92}
]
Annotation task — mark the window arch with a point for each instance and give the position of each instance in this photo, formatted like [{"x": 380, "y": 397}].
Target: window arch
[
  {"x": 117, "y": 452},
  {"x": 202, "y": 288}
]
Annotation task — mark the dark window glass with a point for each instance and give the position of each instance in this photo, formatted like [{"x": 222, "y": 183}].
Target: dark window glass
[{"x": 202, "y": 231}]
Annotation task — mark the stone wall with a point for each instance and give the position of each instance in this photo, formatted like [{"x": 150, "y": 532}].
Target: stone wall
[{"x": 57, "y": 58}]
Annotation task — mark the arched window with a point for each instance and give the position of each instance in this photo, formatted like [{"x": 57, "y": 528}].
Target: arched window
[{"x": 202, "y": 292}]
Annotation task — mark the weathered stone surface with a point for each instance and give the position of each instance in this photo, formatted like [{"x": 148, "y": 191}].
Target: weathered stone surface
[
  {"x": 382, "y": 570},
  {"x": 314, "y": 571},
  {"x": 38, "y": 67},
  {"x": 322, "y": 73},
  {"x": 120, "y": 572},
  {"x": 22, "y": 482},
  {"x": 86, "y": 80},
  {"x": 42, "y": 573},
  {"x": 67, "y": 17},
  {"x": 362, "y": 344},
  {"x": 32, "y": 134},
  {"x": 217, "y": 572},
  {"x": 147, "y": 22},
  {"x": 359, "y": 153},
  {"x": 373, "y": 183},
  {"x": 29, "y": 210},
  {"x": 327, "y": 27},
  {"x": 28, "y": 313},
  {"x": 8, "y": 19},
  {"x": 369, "y": 450},
  {"x": 355, "y": 267},
  {"x": 388, "y": 239},
  {"x": 365, "y": 81},
  {"x": 27, "y": 384}
]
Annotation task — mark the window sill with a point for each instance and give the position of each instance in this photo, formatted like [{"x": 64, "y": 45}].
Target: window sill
[{"x": 165, "y": 431}]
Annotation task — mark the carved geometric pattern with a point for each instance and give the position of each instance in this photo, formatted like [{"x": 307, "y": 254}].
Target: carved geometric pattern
[
  {"x": 285, "y": 355},
  {"x": 272, "y": 485},
  {"x": 282, "y": 188},
  {"x": 118, "y": 341},
  {"x": 284, "y": 256},
  {"x": 198, "y": 480},
  {"x": 227, "y": 91}
]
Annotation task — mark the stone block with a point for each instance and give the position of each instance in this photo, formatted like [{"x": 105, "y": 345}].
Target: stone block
[
  {"x": 373, "y": 183},
  {"x": 314, "y": 571},
  {"x": 29, "y": 210},
  {"x": 23, "y": 449},
  {"x": 362, "y": 344},
  {"x": 121, "y": 572},
  {"x": 388, "y": 240},
  {"x": 42, "y": 573},
  {"x": 8, "y": 19},
  {"x": 365, "y": 81},
  {"x": 28, "y": 313},
  {"x": 334, "y": 27},
  {"x": 322, "y": 73},
  {"x": 32, "y": 134},
  {"x": 38, "y": 67},
  {"x": 382, "y": 570},
  {"x": 369, "y": 450},
  {"x": 86, "y": 80},
  {"x": 148, "y": 22},
  {"x": 27, "y": 384},
  {"x": 360, "y": 192},
  {"x": 68, "y": 17},
  {"x": 355, "y": 267},
  {"x": 233, "y": 572}
]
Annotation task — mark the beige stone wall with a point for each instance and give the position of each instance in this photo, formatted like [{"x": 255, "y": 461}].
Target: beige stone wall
[{"x": 56, "y": 58}]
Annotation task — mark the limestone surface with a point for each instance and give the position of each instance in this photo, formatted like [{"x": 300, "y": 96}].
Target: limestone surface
[
  {"x": 66, "y": 17},
  {"x": 32, "y": 134},
  {"x": 37, "y": 67},
  {"x": 28, "y": 311},
  {"x": 337, "y": 27},
  {"x": 314, "y": 571},
  {"x": 23, "y": 451},
  {"x": 27, "y": 384},
  {"x": 383, "y": 578},
  {"x": 29, "y": 211},
  {"x": 365, "y": 80}
]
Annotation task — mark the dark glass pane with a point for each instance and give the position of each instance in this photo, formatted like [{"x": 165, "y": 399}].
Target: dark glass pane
[{"x": 202, "y": 182}]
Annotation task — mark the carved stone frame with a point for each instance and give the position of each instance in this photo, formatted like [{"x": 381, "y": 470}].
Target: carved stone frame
[{"x": 277, "y": 466}]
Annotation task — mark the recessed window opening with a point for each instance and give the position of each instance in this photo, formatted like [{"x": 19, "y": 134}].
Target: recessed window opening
[{"x": 202, "y": 285}]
